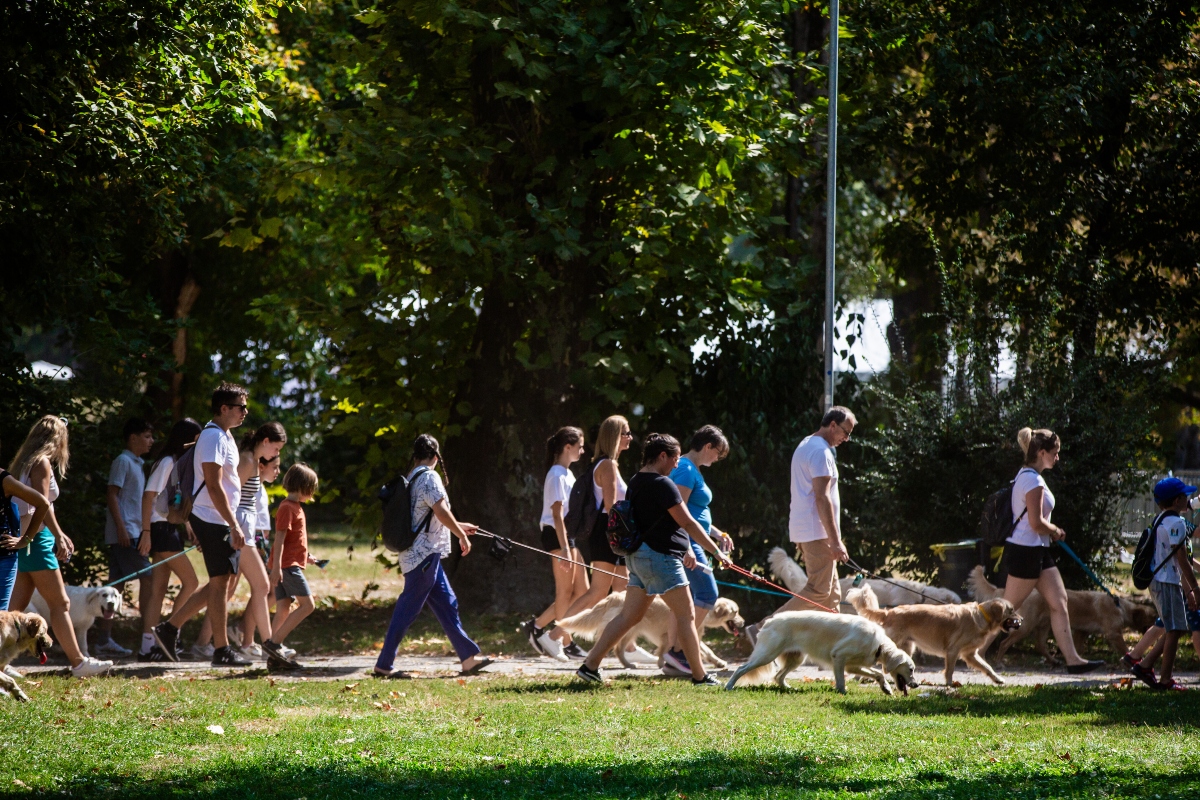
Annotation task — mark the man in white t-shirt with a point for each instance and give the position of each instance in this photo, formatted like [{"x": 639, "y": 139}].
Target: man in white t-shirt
[{"x": 215, "y": 488}]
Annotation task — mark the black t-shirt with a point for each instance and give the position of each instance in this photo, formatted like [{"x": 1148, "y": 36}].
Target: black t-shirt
[{"x": 650, "y": 495}]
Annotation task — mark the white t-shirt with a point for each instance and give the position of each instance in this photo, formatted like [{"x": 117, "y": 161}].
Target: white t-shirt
[
  {"x": 1171, "y": 531},
  {"x": 216, "y": 446},
  {"x": 814, "y": 458},
  {"x": 1029, "y": 479},
  {"x": 157, "y": 484},
  {"x": 425, "y": 492},
  {"x": 262, "y": 510},
  {"x": 557, "y": 489}
]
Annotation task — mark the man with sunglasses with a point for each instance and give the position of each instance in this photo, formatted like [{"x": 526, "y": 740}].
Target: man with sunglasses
[
  {"x": 216, "y": 489},
  {"x": 814, "y": 523}
]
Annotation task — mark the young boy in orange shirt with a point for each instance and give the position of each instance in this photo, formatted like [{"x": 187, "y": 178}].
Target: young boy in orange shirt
[{"x": 289, "y": 557}]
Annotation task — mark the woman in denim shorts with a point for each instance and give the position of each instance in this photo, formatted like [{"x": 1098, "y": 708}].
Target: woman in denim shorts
[{"x": 657, "y": 566}]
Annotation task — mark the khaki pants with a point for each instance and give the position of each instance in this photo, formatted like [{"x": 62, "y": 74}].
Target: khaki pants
[{"x": 822, "y": 587}]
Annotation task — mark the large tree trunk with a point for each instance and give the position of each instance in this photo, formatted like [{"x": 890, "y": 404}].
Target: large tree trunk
[{"x": 177, "y": 294}]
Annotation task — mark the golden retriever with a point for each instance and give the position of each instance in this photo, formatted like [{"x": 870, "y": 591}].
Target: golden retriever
[
  {"x": 840, "y": 642},
  {"x": 21, "y": 633},
  {"x": 1090, "y": 613},
  {"x": 949, "y": 631},
  {"x": 653, "y": 627}
]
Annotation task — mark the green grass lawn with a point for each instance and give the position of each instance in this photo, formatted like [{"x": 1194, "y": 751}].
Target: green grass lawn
[{"x": 504, "y": 738}]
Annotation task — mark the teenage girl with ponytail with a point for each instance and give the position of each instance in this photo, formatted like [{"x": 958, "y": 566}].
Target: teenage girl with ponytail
[
  {"x": 424, "y": 580},
  {"x": 563, "y": 449},
  {"x": 1028, "y": 560}
]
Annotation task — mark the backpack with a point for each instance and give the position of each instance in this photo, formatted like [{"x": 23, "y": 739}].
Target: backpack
[
  {"x": 397, "y": 530},
  {"x": 581, "y": 507},
  {"x": 623, "y": 534},
  {"x": 175, "y": 502},
  {"x": 1143, "y": 555},
  {"x": 10, "y": 519},
  {"x": 996, "y": 523}
]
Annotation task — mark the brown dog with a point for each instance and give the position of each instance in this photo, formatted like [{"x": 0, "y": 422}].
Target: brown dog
[
  {"x": 1090, "y": 612},
  {"x": 20, "y": 633},
  {"x": 949, "y": 631}
]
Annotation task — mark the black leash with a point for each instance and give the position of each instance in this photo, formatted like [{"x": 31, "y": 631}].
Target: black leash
[
  {"x": 863, "y": 571},
  {"x": 502, "y": 546}
]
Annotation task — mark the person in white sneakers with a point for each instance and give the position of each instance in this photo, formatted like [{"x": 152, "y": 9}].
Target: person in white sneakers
[{"x": 44, "y": 451}]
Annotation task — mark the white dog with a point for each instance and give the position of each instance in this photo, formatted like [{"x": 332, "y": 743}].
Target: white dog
[
  {"x": 907, "y": 593},
  {"x": 840, "y": 642},
  {"x": 87, "y": 603}
]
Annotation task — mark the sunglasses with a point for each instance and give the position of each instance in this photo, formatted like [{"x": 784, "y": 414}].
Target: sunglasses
[
  {"x": 627, "y": 433},
  {"x": 242, "y": 406}
]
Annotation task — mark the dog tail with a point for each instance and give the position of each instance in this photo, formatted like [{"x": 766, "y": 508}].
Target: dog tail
[
  {"x": 866, "y": 604},
  {"x": 590, "y": 622},
  {"x": 787, "y": 570},
  {"x": 980, "y": 588},
  {"x": 759, "y": 676}
]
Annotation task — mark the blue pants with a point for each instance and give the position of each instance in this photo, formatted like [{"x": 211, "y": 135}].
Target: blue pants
[
  {"x": 426, "y": 584},
  {"x": 703, "y": 582},
  {"x": 8, "y": 578}
]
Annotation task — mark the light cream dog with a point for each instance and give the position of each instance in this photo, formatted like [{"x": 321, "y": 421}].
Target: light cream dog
[
  {"x": 87, "y": 603},
  {"x": 20, "y": 633},
  {"x": 892, "y": 592},
  {"x": 843, "y": 643},
  {"x": 653, "y": 627},
  {"x": 949, "y": 631}
]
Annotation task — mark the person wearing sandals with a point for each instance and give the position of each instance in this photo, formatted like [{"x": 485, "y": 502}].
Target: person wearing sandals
[
  {"x": 1027, "y": 557},
  {"x": 421, "y": 564}
]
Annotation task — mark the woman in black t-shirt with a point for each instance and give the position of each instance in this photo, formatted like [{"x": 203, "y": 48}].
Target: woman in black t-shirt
[{"x": 657, "y": 566}]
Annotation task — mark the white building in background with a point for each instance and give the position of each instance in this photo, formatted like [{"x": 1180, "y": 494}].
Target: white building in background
[{"x": 44, "y": 369}]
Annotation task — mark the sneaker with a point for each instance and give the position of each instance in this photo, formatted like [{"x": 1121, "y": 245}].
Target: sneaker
[
  {"x": 678, "y": 660},
  {"x": 672, "y": 672},
  {"x": 252, "y": 651},
  {"x": 707, "y": 680},
  {"x": 286, "y": 651},
  {"x": 1128, "y": 661},
  {"x": 575, "y": 651},
  {"x": 111, "y": 648},
  {"x": 1087, "y": 666},
  {"x": 203, "y": 650},
  {"x": 1170, "y": 685},
  {"x": 156, "y": 655},
  {"x": 752, "y": 633},
  {"x": 551, "y": 647},
  {"x": 1145, "y": 675},
  {"x": 228, "y": 657},
  {"x": 532, "y": 633},
  {"x": 13, "y": 673},
  {"x": 272, "y": 648},
  {"x": 89, "y": 667},
  {"x": 588, "y": 675},
  {"x": 640, "y": 655},
  {"x": 167, "y": 636}
]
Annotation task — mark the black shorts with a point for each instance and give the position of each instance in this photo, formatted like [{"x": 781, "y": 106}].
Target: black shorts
[
  {"x": 598, "y": 549},
  {"x": 219, "y": 556},
  {"x": 550, "y": 539},
  {"x": 1027, "y": 562},
  {"x": 123, "y": 561},
  {"x": 165, "y": 538}
]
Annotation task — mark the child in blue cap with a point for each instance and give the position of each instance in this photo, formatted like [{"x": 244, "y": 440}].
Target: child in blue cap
[{"x": 1173, "y": 588}]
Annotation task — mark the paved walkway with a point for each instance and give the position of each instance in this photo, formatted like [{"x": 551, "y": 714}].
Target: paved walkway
[{"x": 354, "y": 667}]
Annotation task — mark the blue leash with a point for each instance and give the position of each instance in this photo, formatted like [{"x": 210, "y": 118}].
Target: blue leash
[
  {"x": 1095, "y": 579},
  {"x": 752, "y": 589}
]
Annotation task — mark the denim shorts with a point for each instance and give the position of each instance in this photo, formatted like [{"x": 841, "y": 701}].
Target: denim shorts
[
  {"x": 704, "y": 583},
  {"x": 654, "y": 572}
]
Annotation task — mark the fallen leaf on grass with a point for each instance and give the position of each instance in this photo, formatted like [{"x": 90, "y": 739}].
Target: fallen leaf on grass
[
  {"x": 461, "y": 682},
  {"x": 394, "y": 693},
  {"x": 1064, "y": 756},
  {"x": 992, "y": 760},
  {"x": 217, "y": 729},
  {"x": 38, "y": 684},
  {"x": 349, "y": 687},
  {"x": 501, "y": 766},
  {"x": 19, "y": 782}
]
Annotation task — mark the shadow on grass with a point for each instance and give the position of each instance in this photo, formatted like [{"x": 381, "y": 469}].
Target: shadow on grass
[{"x": 708, "y": 775}]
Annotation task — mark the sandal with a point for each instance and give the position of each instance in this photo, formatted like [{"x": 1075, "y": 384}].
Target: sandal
[
  {"x": 475, "y": 670},
  {"x": 394, "y": 675},
  {"x": 1170, "y": 685}
]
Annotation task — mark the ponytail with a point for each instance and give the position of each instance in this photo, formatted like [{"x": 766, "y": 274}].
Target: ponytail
[
  {"x": 1033, "y": 442},
  {"x": 561, "y": 438},
  {"x": 426, "y": 447}
]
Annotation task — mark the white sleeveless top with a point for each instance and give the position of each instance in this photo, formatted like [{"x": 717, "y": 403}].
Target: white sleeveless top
[
  {"x": 24, "y": 508},
  {"x": 621, "y": 486}
]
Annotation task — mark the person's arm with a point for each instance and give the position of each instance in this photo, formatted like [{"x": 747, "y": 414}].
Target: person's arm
[
  {"x": 462, "y": 530},
  {"x": 684, "y": 491},
  {"x": 1033, "y": 512},
  {"x": 148, "y": 499},
  {"x": 247, "y": 466},
  {"x": 39, "y": 478},
  {"x": 683, "y": 518},
  {"x": 34, "y": 499},
  {"x": 212, "y": 485},
  {"x": 606, "y": 479},
  {"x": 822, "y": 489},
  {"x": 1189, "y": 579},
  {"x": 560, "y": 529},
  {"x": 114, "y": 510}
]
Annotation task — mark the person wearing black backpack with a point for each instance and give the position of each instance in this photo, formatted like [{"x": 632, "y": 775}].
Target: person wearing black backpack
[
  {"x": 1028, "y": 559},
  {"x": 421, "y": 563}
]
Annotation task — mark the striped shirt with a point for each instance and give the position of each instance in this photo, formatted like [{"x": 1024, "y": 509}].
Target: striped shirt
[{"x": 247, "y": 502}]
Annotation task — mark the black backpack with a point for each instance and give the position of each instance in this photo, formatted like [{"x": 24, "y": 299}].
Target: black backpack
[
  {"x": 997, "y": 523},
  {"x": 397, "y": 530},
  {"x": 1143, "y": 556},
  {"x": 581, "y": 507}
]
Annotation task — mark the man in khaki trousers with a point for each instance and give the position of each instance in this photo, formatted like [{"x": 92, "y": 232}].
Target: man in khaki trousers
[{"x": 814, "y": 523}]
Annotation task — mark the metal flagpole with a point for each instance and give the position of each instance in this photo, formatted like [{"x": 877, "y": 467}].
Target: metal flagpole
[{"x": 831, "y": 203}]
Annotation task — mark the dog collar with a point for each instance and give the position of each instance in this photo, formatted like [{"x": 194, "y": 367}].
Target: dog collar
[{"x": 984, "y": 613}]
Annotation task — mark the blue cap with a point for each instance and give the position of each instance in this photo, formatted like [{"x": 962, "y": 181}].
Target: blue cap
[{"x": 1168, "y": 489}]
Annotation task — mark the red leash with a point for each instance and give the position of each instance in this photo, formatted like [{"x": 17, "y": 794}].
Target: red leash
[{"x": 747, "y": 573}]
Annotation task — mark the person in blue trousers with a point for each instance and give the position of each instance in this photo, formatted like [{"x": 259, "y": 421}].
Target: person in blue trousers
[{"x": 424, "y": 580}]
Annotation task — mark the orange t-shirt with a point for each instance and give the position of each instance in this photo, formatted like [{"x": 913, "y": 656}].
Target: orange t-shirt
[{"x": 289, "y": 521}]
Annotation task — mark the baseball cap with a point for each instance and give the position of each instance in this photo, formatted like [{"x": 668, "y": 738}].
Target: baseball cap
[{"x": 1168, "y": 489}]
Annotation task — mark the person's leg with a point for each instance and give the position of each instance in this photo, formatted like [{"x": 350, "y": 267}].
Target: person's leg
[
  {"x": 632, "y": 611},
  {"x": 679, "y": 600},
  {"x": 49, "y": 584},
  {"x": 188, "y": 581},
  {"x": 217, "y": 609},
  {"x": 1170, "y": 646},
  {"x": 1196, "y": 642},
  {"x": 601, "y": 584},
  {"x": 156, "y": 592},
  {"x": 304, "y": 607},
  {"x": 580, "y": 583},
  {"x": 822, "y": 587},
  {"x": 256, "y": 615},
  {"x": 1148, "y": 640},
  {"x": 1017, "y": 590},
  {"x": 1050, "y": 584},
  {"x": 418, "y": 583},
  {"x": 564, "y": 586},
  {"x": 444, "y": 604},
  {"x": 8, "y": 579},
  {"x": 704, "y": 587},
  {"x": 22, "y": 592},
  {"x": 283, "y": 610}
]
